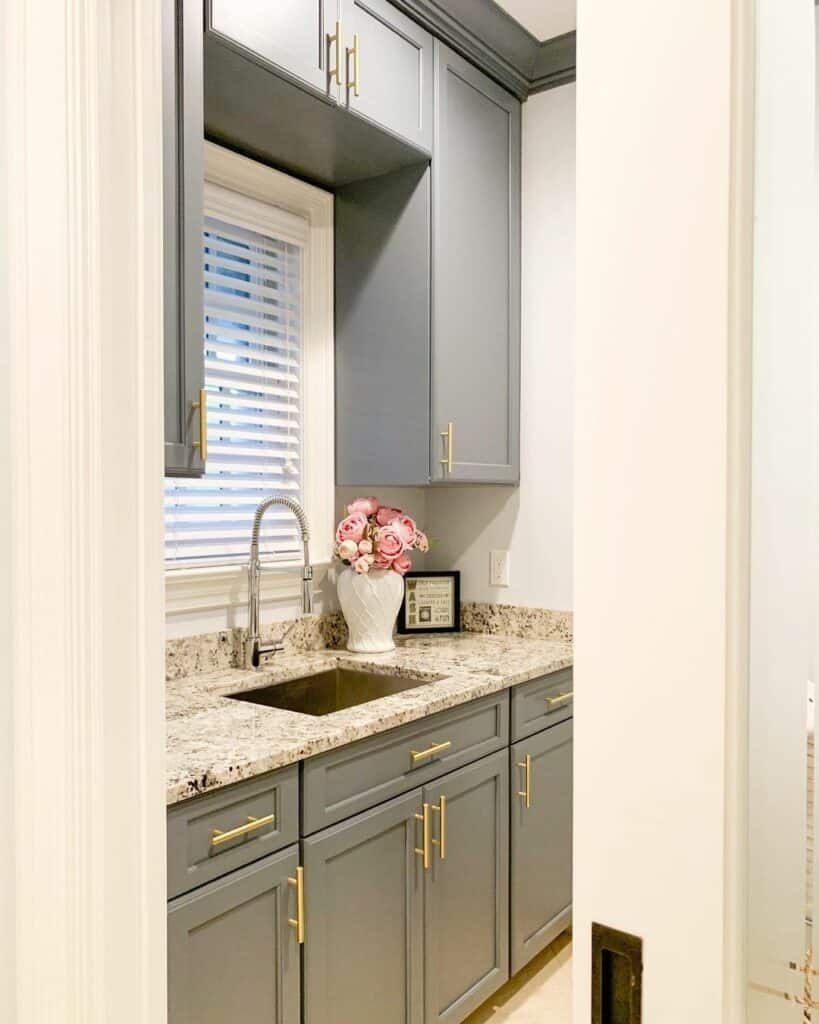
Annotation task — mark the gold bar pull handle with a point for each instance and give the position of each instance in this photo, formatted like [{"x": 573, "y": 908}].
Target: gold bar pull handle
[
  {"x": 218, "y": 837},
  {"x": 436, "y": 748},
  {"x": 336, "y": 71},
  {"x": 561, "y": 698},
  {"x": 526, "y": 792},
  {"x": 447, "y": 438},
  {"x": 355, "y": 53},
  {"x": 202, "y": 406},
  {"x": 424, "y": 851},
  {"x": 297, "y": 922},
  {"x": 440, "y": 808}
]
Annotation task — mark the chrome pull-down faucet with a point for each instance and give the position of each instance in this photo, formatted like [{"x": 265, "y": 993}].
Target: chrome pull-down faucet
[{"x": 254, "y": 649}]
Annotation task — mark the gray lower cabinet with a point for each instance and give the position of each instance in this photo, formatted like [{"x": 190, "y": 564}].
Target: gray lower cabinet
[
  {"x": 412, "y": 903},
  {"x": 296, "y": 37},
  {"x": 388, "y": 72},
  {"x": 390, "y": 941},
  {"x": 232, "y": 956},
  {"x": 467, "y": 889},
  {"x": 541, "y": 841},
  {"x": 363, "y": 952},
  {"x": 183, "y": 184},
  {"x": 476, "y": 276}
]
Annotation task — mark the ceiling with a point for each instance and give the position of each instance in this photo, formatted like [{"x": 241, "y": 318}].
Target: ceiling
[{"x": 543, "y": 18}]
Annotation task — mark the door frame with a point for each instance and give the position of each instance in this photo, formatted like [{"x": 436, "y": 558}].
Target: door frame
[{"x": 82, "y": 751}]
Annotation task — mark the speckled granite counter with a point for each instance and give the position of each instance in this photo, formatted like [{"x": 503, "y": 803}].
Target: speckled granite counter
[{"x": 213, "y": 741}]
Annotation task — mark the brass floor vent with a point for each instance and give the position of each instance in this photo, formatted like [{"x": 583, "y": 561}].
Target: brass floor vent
[{"x": 617, "y": 976}]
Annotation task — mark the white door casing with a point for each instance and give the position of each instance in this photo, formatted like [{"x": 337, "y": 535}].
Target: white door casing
[{"x": 82, "y": 879}]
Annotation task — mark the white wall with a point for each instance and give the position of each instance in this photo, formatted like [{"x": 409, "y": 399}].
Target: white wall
[
  {"x": 655, "y": 392},
  {"x": 543, "y": 18},
  {"x": 534, "y": 521}
]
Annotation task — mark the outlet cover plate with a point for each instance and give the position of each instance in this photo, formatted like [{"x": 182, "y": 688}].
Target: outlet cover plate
[{"x": 498, "y": 568}]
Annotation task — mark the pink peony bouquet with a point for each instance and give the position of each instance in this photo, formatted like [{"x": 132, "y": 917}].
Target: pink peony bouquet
[{"x": 374, "y": 536}]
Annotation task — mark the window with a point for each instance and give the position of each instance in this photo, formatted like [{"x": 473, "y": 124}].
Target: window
[{"x": 267, "y": 261}]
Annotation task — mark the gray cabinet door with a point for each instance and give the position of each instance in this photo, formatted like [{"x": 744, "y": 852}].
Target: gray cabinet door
[
  {"x": 183, "y": 138},
  {"x": 231, "y": 954},
  {"x": 466, "y": 955},
  {"x": 363, "y": 917},
  {"x": 541, "y": 869},
  {"x": 476, "y": 276},
  {"x": 382, "y": 329},
  {"x": 388, "y": 69},
  {"x": 293, "y": 35}
]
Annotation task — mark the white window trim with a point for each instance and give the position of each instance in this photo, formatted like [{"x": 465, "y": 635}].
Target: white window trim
[{"x": 225, "y": 586}]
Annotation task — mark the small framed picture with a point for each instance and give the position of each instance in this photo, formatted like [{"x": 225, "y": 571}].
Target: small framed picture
[{"x": 432, "y": 603}]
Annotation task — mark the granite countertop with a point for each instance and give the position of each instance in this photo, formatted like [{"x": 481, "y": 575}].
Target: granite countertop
[{"x": 213, "y": 741}]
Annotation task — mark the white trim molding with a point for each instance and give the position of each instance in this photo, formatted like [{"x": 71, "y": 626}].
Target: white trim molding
[
  {"x": 208, "y": 588},
  {"x": 81, "y": 277}
]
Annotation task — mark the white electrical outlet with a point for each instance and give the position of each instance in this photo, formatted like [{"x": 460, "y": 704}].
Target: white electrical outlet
[{"x": 498, "y": 568}]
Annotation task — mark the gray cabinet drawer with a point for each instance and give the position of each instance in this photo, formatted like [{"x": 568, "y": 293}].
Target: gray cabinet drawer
[
  {"x": 344, "y": 782},
  {"x": 196, "y": 854},
  {"x": 541, "y": 703}
]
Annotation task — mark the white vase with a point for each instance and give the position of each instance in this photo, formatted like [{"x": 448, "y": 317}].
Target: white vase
[{"x": 370, "y": 603}]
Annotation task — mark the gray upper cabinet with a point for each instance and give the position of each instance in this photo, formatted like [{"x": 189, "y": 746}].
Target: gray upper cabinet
[
  {"x": 541, "y": 842},
  {"x": 182, "y": 245},
  {"x": 364, "y": 918},
  {"x": 296, "y": 36},
  {"x": 382, "y": 329},
  {"x": 232, "y": 956},
  {"x": 388, "y": 69},
  {"x": 476, "y": 276},
  {"x": 467, "y": 889}
]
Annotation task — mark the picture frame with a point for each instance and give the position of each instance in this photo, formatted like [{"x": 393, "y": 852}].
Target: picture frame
[{"x": 431, "y": 604}]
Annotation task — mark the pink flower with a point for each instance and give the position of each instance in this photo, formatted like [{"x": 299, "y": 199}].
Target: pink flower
[
  {"x": 382, "y": 563},
  {"x": 406, "y": 527},
  {"x": 385, "y": 515},
  {"x": 367, "y": 506},
  {"x": 365, "y": 547},
  {"x": 348, "y": 550},
  {"x": 361, "y": 564},
  {"x": 390, "y": 543},
  {"x": 402, "y": 564},
  {"x": 421, "y": 541},
  {"x": 352, "y": 528}
]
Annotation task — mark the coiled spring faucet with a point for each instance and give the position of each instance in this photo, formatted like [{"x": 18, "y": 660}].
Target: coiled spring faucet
[{"x": 254, "y": 649}]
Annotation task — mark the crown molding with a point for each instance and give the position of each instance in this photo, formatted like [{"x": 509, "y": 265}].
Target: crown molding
[
  {"x": 555, "y": 63},
  {"x": 491, "y": 38}
]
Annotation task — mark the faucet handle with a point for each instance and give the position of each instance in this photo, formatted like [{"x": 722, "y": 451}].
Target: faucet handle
[{"x": 307, "y": 590}]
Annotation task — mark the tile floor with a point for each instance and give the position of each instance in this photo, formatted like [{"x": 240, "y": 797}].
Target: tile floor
[{"x": 540, "y": 994}]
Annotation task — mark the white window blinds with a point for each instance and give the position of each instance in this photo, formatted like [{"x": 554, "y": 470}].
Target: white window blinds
[{"x": 253, "y": 273}]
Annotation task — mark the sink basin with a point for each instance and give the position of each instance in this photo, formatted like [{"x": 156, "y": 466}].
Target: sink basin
[{"x": 329, "y": 691}]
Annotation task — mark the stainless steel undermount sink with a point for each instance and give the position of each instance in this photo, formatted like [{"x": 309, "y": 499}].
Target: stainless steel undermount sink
[{"x": 325, "y": 692}]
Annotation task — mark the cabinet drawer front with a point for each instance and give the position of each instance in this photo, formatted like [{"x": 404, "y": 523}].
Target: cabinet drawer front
[
  {"x": 214, "y": 834},
  {"x": 343, "y": 782},
  {"x": 541, "y": 703}
]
